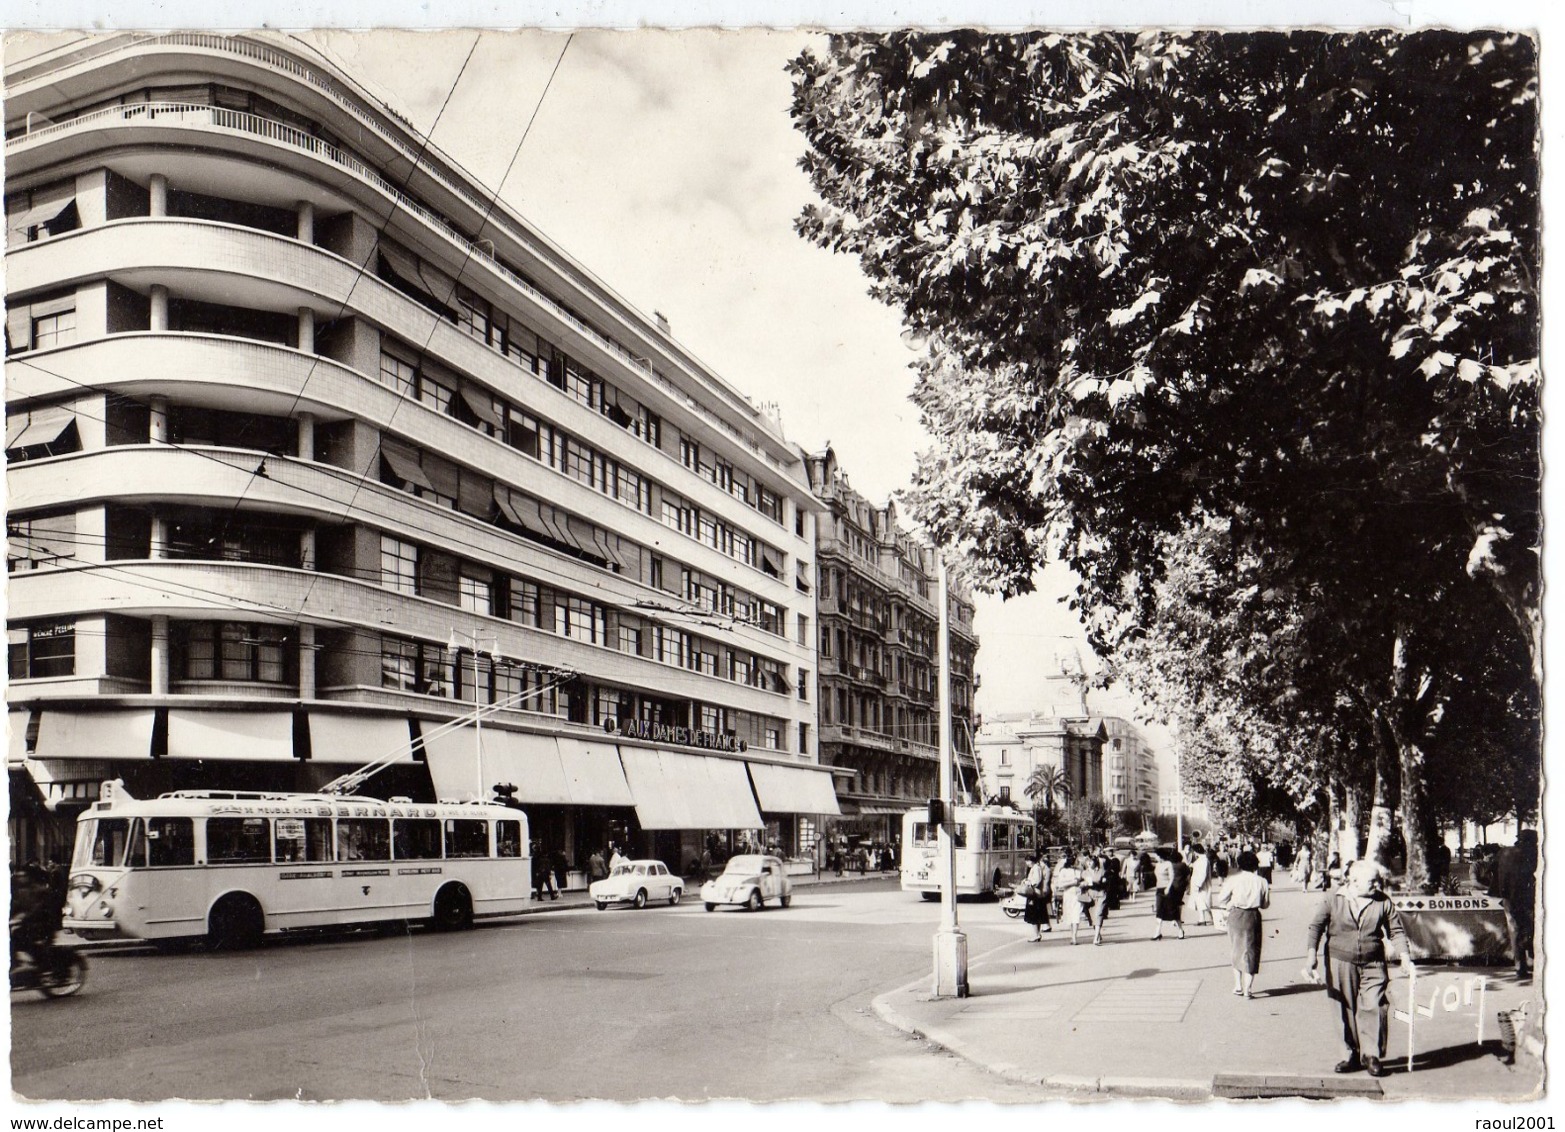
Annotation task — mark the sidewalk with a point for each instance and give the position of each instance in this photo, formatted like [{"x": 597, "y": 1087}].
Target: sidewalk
[{"x": 1158, "y": 1019}]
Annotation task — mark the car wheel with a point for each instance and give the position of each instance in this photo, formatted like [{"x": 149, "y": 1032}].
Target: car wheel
[
  {"x": 786, "y": 899},
  {"x": 603, "y": 905},
  {"x": 755, "y": 903},
  {"x": 930, "y": 895},
  {"x": 641, "y": 898},
  {"x": 710, "y": 907},
  {"x": 673, "y": 897}
]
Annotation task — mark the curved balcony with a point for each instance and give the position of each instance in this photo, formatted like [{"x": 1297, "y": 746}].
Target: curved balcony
[
  {"x": 219, "y": 477},
  {"x": 268, "y": 378},
  {"x": 187, "y": 589},
  {"x": 149, "y": 122}
]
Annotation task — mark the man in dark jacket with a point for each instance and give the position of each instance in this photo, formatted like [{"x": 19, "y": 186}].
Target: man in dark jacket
[
  {"x": 1357, "y": 921},
  {"x": 1516, "y": 882}
]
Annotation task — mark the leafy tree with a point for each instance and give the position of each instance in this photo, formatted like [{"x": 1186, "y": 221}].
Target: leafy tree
[{"x": 1281, "y": 285}]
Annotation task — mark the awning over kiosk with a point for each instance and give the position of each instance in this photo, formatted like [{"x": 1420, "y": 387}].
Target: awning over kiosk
[
  {"x": 95, "y": 735},
  {"x": 68, "y": 780},
  {"x": 359, "y": 740},
  {"x": 793, "y": 789},
  {"x": 531, "y": 763},
  {"x": 262, "y": 736},
  {"x": 678, "y": 791},
  {"x": 593, "y": 773}
]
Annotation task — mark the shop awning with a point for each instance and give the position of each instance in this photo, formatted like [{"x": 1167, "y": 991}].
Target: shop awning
[
  {"x": 877, "y": 808},
  {"x": 95, "y": 735},
  {"x": 793, "y": 789},
  {"x": 679, "y": 791},
  {"x": 358, "y": 740},
  {"x": 593, "y": 774},
  {"x": 257, "y": 736},
  {"x": 531, "y": 763},
  {"x": 68, "y": 780}
]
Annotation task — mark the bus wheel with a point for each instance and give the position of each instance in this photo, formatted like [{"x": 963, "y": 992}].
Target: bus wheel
[
  {"x": 453, "y": 909},
  {"x": 930, "y": 895},
  {"x": 235, "y": 923}
]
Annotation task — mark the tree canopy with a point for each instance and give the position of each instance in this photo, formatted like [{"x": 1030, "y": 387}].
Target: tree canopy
[{"x": 1244, "y": 328}]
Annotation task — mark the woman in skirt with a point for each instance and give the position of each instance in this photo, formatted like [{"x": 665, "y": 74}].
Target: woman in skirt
[
  {"x": 1035, "y": 889},
  {"x": 1244, "y": 894},
  {"x": 1070, "y": 882}
]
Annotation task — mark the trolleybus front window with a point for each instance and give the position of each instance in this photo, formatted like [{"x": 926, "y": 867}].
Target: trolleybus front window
[{"x": 102, "y": 842}]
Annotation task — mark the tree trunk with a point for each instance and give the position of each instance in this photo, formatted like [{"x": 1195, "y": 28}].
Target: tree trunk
[
  {"x": 1405, "y": 721},
  {"x": 1380, "y": 810},
  {"x": 1347, "y": 834}
]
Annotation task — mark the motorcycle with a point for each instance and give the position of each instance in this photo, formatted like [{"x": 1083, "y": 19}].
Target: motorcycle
[{"x": 65, "y": 975}]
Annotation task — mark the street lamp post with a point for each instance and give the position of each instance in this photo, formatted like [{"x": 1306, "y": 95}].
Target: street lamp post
[
  {"x": 478, "y": 642},
  {"x": 950, "y": 941}
]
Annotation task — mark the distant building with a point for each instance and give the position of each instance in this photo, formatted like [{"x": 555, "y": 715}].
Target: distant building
[
  {"x": 877, "y": 603},
  {"x": 1192, "y": 809},
  {"x": 1102, "y": 757}
]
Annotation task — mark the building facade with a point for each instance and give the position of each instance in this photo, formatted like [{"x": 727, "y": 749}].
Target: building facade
[
  {"x": 878, "y": 595},
  {"x": 1101, "y": 757},
  {"x": 315, "y": 448}
]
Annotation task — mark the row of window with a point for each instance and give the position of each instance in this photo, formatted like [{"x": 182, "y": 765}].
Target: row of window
[
  {"x": 429, "y": 669},
  {"x": 537, "y": 438},
  {"x": 169, "y": 842}
]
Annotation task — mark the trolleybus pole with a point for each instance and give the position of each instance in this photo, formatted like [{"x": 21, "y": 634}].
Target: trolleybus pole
[{"x": 950, "y": 941}]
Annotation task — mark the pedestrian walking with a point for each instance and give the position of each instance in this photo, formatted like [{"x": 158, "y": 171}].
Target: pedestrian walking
[
  {"x": 1070, "y": 883},
  {"x": 1303, "y": 865},
  {"x": 1097, "y": 893},
  {"x": 1265, "y": 859},
  {"x": 543, "y": 877},
  {"x": 1130, "y": 869},
  {"x": 1035, "y": 890},
  {"x": 1169, "y": 897},
  {"x": 1202, "y": 882},
  {"x": 596, "y": 869},
  {"x": 1357, "y": 921},
  {"x": 1244, "y": 893}
]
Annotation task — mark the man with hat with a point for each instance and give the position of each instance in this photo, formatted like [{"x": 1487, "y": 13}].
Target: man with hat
[{"x": 1357, "y": 921}]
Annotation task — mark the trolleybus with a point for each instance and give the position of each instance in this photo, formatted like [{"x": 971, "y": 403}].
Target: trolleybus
[
  {"x": 992, "y": 843},
  {"x": 232, "y": 866}
]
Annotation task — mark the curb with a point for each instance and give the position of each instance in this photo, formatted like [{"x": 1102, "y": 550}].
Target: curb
[{"x": 1154, "y": 1088}]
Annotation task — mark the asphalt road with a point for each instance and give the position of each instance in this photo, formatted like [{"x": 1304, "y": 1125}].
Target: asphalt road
[{"x": 618, "y": 1005}]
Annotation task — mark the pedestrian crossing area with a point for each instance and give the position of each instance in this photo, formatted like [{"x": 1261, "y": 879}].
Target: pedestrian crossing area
[{"x": 1138, "y": 1000}]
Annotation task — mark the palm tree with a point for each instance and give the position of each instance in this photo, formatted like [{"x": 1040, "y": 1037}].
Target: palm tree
[{"x": 1046, "y": 785}]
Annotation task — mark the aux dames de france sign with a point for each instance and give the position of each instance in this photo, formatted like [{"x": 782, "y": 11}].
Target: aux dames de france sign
[{"x": 682, "y": 736}]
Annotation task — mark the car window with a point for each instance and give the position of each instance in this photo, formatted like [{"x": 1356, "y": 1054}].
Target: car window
[
  {"x": 658, "y": 870},
  {"x": 621, "y": 870}
]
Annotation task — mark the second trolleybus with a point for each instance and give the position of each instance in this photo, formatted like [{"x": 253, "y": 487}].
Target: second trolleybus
[{"x": 992, "y": 843}]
